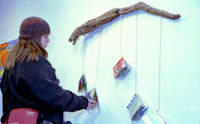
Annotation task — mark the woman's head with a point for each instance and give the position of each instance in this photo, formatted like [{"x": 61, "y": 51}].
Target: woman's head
[
  {"x": 34, "y": 28},
  {"x": 33, "y": 39}
]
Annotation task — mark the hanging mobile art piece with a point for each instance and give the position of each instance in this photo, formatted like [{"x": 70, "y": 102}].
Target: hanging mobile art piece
[
  {"x": 138, "y": 109},
  {"x": 121, "y": 68}
]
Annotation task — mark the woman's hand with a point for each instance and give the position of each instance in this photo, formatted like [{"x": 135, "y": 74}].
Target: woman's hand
[{"x": 91, "y": 104}]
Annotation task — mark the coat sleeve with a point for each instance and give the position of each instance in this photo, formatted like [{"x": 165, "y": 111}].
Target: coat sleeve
[{"x": 40, "y": 79}]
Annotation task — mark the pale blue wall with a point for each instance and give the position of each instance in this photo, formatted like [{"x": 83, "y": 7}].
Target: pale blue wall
[{"x": 175, "y": 90}]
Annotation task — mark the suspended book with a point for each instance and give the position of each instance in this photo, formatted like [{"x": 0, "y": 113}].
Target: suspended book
[
  {"x": 82, "y": 87},
  {"x": 121, "y": 68},
  {"x": 140, "y": 111},
  {"x": 92, "y": 95},
  {"x": 137, "y": 108}
]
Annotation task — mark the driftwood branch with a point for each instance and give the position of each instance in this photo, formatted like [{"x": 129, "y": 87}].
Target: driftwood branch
[{"x": 93, "y": 24}]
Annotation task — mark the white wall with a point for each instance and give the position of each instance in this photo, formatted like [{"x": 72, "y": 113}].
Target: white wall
[{"x": 164, "y": 54}]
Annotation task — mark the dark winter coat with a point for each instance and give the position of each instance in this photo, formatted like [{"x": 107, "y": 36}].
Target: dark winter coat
[{"x": 35, "y": 85}]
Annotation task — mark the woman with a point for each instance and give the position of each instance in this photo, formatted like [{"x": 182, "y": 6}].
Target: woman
[{"x": 29, "y": 80}]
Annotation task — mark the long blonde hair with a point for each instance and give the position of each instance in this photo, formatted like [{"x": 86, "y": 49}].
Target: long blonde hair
[{"x": 28, "y": 49}]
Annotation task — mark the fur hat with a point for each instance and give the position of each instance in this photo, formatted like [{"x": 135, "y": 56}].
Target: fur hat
[{"x": 33, "y": 27}]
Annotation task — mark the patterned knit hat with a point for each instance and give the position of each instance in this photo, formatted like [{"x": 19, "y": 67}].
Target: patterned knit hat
[{"x": 33, "y": 27}]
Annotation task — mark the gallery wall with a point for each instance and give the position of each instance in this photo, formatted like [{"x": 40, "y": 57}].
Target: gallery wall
[{"x": 163, "y": 54}]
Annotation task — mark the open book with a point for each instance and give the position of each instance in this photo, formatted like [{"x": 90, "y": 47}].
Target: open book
[
  {"x": 137, "y": 108},
  {"x": 121, "y": 68}
]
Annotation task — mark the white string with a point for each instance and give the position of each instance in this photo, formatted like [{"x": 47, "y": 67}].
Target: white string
[
  {"x": 121, "y": 36},
  {"x": 83, "y": 60},
  {"x": 136, "y": 45},
  {"x": 163, "y": 119},
  {"x": 97, "y": 69},
  {"x": 159, "y": 90}
]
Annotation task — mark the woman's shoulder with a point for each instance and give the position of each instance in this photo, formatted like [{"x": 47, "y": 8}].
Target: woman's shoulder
[
  {"x": 43, "y": 59},
  {"x": 41, "y": 63}
]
